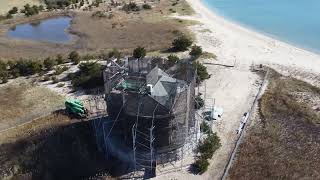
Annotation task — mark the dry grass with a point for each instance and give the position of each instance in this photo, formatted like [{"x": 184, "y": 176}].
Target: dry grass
[
  {"x": 21, "y": 101},
  {"x": 285, "y": 143},
  {"x": 149, "y": 28}
]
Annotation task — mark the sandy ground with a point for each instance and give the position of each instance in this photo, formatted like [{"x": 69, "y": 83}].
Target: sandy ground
[
  {"x": 234, "y": 89},
  {"x": 6, "y": 5},
  {"x": 231, "y": 42}
]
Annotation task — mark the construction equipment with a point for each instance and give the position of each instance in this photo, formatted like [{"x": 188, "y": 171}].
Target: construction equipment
[{"x": 75, "y": 107}]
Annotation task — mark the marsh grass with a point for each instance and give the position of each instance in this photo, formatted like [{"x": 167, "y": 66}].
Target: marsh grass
[{"x": 285, "y": 143}]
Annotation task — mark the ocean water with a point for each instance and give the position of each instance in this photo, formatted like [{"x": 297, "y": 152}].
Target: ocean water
[
  {"x": 49, "y": 30},
  {"x": 294, "y": 21}
]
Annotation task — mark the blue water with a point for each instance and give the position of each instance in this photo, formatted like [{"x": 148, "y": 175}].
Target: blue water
[
  {"x": 49, "y": 30},
  {"x": 293, "y": 21}
]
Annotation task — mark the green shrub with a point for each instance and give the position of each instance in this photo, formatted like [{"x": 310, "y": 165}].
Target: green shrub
[
  {"x": 4, "y": 74},
  {"x": 132, "y": 6},
  {"x": 196, "y": 51},
  {"x": 59, "y": 4},
  {"x": 9, "y": 16},
  {"x": 46, "y": 78},
  {"x": 181, "y": 43},
  {"x": 60, "y": 85},
  {"x": 60, "y": 69},
  {"x": 60, "y": 59},
  {"x": 209, "y": 145},
  {"x": 139, "y": 52},
  {"x": 146, "y": 6},
  {"x": 29, "y": 11},
  {"x": 205, "y": 128},
  {"x": 81, "y": 3},
  {"x": 98, "y": 14},
  {"x": 172, "y": 59},
  {"x": 14, "y": 10},
  {"x": 88, "y": 76},
  {"x": 202, "y": 73},
  {"x": 205, "y": 151},
  {"x": 26, "y": 67},
  {"x": 41, "y": 8},
  {"x": 49, "y": 63},
  {"x": 74, "y": 57},
  {"x": 199, "y": 102},
  {"x": 201, "y": 164},
  {"x": 114, "y": 53},
  {"x": 54, "y": 79}
]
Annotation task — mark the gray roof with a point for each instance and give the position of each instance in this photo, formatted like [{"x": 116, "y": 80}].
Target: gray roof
[{"x": 165, "y": 87}]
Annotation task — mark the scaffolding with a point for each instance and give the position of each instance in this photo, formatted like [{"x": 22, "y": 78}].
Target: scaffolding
[{"x": 147, "y": 160}]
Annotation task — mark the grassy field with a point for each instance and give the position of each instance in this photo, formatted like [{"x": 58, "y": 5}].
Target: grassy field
[
  {"x": 50, "y": 148},
  {"x": 21, "y": 101},
  {"x": 6, "y": 5},
  {"x": 285, "y": 142},
  {"x": 152, "y": 29}
]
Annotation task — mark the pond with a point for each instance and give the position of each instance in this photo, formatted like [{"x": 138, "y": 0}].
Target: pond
[{"x": 49, "y": 30}]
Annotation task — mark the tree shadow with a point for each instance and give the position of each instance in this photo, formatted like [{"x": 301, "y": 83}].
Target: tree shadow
[{"x": 64, "y": 152}]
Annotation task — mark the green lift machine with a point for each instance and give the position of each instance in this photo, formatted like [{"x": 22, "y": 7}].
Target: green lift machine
[{"x": 75, "y": 107}]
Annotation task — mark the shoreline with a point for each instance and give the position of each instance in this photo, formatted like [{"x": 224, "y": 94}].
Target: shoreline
[
  {"x": 262, "y": 33},
  {"x": 244, "y": 43}
]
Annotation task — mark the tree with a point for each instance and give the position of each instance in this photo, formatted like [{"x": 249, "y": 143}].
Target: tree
[
  {"x": 88, "y": 76},
  {"x": 182, "y": 43},
  {"x": 49, "y": 63},
  {"x": 9, "y": 16},
  {"x": 205, "y": 128},
  {"x": 81, "y": 3},
  {"x": 27, "y": 67},
  {"x": 202, "y": 73},
  {"x": 201, "y": 164},
  {"x": 3, "y": 72},
  {"x": 146, "y": 6},
  {"x": 14, "y": 10},
  {"x": 114, "y": 53},
  {"x": 59, "y": 59},
  {"x": 172, "y": 59},
  {"x": 199, "y": 102},
  {"x": 196, "y": 51},
  {"x": 74, "y": 57},
  {"x": 205, "y": 150},
  {"x": 139, "y": 52},
  {"x": 132, "y": 6},
  {"x": 41, "y": 8}
]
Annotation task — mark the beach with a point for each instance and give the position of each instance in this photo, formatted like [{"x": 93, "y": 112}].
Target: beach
[{"x": 234, "y": 43}]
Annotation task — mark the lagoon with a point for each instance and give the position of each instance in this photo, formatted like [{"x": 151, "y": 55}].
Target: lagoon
[
  {"x": 293, "y": 21},
  {"x": 49, "y": 30}
]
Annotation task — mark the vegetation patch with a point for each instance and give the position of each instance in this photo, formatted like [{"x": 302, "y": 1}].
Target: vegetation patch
[
  {"x": 20, "y": 101},
  {"x": 205, "y": 151},
  {"x": 283, "y": 143},
  {"x": 89, "y": 76}
]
